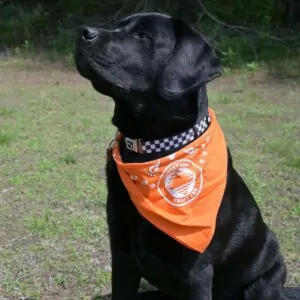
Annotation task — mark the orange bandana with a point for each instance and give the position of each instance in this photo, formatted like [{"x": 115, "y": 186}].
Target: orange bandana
[{"x": 180, "y": 194}]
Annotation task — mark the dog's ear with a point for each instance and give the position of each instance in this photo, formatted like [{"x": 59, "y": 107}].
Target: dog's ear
[{"x": 192, "y": 63}]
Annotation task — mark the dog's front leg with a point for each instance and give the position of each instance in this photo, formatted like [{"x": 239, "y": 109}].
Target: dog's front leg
[
  {"x": 199, "y": 286},
  {"x": 125, "y": 274},
  {"x": 125, "y": 277}
]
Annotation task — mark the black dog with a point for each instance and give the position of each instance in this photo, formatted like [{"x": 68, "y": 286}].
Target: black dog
[{"x": 155, "y": 68}]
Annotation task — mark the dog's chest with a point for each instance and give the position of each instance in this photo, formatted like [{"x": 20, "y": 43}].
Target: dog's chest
[{"x": 164, "y": 262}]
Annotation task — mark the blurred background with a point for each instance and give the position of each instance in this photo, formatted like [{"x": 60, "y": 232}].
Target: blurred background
[{"x": 239, "y": 30}]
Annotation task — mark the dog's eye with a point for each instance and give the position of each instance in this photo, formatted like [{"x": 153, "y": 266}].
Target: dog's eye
[{"x": 141, "y": 35}]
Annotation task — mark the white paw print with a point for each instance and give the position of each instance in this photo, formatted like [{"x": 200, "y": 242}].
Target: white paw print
[
  {"x": 191, "y": 151},
  {"x": 133, "y": 177},
  {"x": 145, "y": 182},
  {"x": 172, "y": 156}
]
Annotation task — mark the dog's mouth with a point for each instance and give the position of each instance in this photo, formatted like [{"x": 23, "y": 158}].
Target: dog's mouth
[
  {"x": 102, "y": 60},
  {"x": 86, "y": 62},
  {"x": 96, "y": 70}
]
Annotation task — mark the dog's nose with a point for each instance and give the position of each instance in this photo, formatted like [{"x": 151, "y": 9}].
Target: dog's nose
[{"x": 89, "y": 33}]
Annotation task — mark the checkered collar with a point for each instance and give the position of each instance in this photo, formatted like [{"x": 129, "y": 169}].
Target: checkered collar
[
  {"x": 171, "y": 143},
  {"x": 179, "y": 140}
]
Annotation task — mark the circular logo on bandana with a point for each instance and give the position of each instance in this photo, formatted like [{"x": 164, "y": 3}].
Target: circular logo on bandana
[{"x": 181, "y": 182}]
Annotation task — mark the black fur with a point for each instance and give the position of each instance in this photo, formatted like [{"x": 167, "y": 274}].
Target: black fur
[{"x": 153, "y": 66}]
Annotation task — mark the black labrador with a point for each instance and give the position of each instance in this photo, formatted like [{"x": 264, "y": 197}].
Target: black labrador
[{"x": 155, "y": 68}]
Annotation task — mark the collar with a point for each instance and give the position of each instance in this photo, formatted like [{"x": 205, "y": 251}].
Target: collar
[
  {"x": 171, "y": 143},
  {"x": 179, "y": 140}
]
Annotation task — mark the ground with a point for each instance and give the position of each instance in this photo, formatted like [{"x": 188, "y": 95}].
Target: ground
[{"x": 54, "y": 130}]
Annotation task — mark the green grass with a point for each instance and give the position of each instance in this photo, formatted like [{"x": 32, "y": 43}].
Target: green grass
[
  {"x": 5, "y": 138},
  {"x": 54, "y": 132}
]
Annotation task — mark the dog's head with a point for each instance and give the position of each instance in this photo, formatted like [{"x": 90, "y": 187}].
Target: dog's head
[{"x": 152, "y": 65}]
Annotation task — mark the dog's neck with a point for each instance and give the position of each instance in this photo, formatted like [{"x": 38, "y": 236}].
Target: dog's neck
[{"x": 171, "y": 138}]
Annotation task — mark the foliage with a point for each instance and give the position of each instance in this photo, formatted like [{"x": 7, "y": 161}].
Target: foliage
[{"x": 232, "y": 26}]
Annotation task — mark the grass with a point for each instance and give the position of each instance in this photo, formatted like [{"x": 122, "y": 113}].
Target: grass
[
  {"x": 54, "y": 132},
  {"x": 5, "y": 138}
]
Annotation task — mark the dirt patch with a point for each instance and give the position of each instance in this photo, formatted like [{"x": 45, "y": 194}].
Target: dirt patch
[{"x": 39, "y": 73}]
